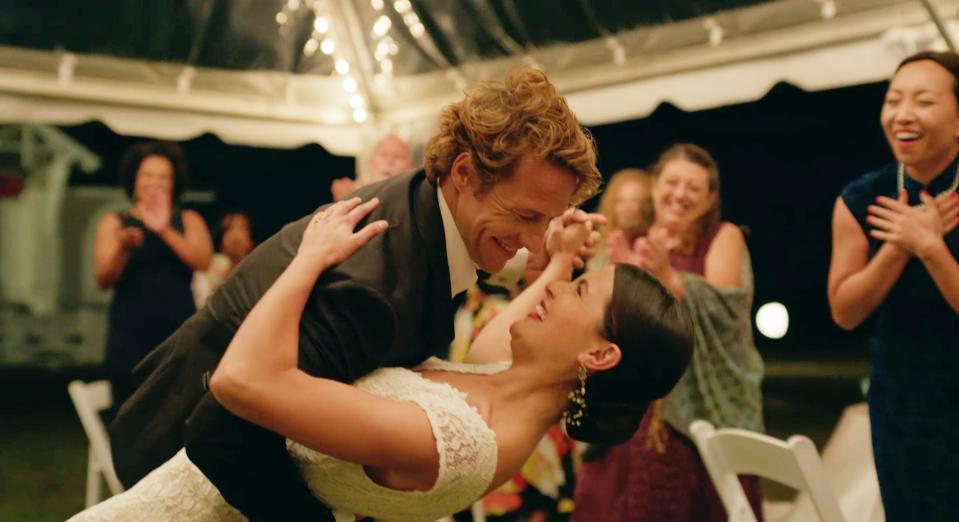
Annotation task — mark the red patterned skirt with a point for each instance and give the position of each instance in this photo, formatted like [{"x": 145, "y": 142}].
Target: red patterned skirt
[{"x": 656, "y": 476}]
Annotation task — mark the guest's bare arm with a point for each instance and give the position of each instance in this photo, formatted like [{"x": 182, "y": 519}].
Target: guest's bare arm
[{"x": 857, "y": 285}]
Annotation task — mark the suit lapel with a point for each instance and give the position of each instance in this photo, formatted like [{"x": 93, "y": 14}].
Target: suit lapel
[{"x": 429, "y": 227}]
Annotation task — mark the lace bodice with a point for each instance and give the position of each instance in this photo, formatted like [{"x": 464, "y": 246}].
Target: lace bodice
[{"x": 465, "y": 443}]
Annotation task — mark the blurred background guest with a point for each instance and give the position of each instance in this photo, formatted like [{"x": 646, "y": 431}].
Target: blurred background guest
[
  {"x": 901, "y": 260},
  {"x": 628, "y": 208},
  {"x": 147, "y": 255},
  {"x": 391, "y": 155},
  {"x": 658, "y": 475},
  {"x": 233, "y": 240}
]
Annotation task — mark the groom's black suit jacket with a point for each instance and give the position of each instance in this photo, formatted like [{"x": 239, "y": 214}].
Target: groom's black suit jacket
[{"x": 387, "y": 305}]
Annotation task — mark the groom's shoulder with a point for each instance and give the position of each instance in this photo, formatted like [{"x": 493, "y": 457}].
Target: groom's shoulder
[{"x": 397, "y": 191}]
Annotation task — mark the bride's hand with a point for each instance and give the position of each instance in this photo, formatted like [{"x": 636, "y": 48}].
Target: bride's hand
[
  {"x": 330, "y": 239},
  {"x": 569, "y": 236}
]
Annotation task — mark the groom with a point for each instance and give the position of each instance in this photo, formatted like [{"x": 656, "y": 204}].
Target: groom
[{"x": 505, "y": 160}]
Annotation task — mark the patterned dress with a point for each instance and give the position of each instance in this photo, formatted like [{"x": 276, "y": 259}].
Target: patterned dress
[{"x": 913, "y": 386}]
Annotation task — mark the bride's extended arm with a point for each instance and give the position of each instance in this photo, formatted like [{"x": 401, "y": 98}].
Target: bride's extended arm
[
  {"x": 492, "y": 344},
  {"x": 258, "y": 378}
]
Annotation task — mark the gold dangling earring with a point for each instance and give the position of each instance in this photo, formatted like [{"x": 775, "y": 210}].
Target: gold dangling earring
[{"x": 573, "y": 416}]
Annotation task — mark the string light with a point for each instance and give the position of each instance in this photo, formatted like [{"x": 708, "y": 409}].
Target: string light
[
  {"x": 342, "y": 66},
  {"x": 715, "y": 31},
  {"x": 359, "y": 115},
  {"x": 349, "y": 84},
  {"x": 321, "y": 24},
  {"x": 327, "y": 46},
  {"x": 377, "y": 4},
  {"x": 381, "y": 26}
]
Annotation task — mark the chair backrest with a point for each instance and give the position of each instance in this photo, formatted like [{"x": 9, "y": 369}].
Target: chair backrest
[
  {"x": 729, "y": 452},
  {"x": 90, "y": 399}
]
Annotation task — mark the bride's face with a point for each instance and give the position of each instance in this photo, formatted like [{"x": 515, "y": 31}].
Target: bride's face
[{"x": 569, "y": 319}]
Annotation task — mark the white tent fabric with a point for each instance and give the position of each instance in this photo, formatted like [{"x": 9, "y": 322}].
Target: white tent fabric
[{"x": 727, "y": 57}]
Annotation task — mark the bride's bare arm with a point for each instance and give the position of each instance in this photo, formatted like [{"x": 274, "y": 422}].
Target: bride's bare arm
[
  {"x": 492, "y": 344},
  {"x": 258, "y": 378}
]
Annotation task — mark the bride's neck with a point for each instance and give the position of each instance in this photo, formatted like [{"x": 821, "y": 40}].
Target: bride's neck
[{"x": 527, "y": 391}]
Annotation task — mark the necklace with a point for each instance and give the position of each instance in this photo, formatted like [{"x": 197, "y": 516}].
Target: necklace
[{"x": 901, "y": 184}]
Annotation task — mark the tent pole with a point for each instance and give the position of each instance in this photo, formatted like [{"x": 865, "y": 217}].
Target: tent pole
[{"x": 937, "y": 19}]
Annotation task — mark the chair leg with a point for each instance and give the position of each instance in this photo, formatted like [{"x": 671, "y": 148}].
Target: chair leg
[
  {"x": 477, "y": 511},
  {"x": 93, "y": 479}
]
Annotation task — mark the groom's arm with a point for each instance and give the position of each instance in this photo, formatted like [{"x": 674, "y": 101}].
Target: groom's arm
[{"x": 349, "y": 336}]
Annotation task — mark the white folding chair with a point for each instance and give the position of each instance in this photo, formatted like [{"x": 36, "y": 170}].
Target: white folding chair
[
  {"x": 729, "y": 452},
  {"x": 848, "y": 462},
  {"x": 90, "y": 399}
]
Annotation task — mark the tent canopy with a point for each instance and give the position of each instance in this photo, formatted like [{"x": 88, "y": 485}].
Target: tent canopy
[{"x": 283, "y": 73}]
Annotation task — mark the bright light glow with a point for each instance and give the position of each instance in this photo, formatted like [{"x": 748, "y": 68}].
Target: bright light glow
[
  {"x": 772, "y": 320},
  {"x": 281, "y": 18},
  {"x": 359, "y": 115},
  {"x": 342, "y": 66},
  {"x": 321, "y": 24},
  {"x": 382, "y": 51},
  {"x": 377, "y": 4},
  {"x": 327, "y": 46},
  {"x": 349, "y": 84},
  {"x": 386, "y": 66},
  {"x": 402, "y": 6},
  {"x": 417, "y": 30},
  {"x": 827, "y": 9},
  {"x": 381, "y": 26},
  {"x": 356, "y": 101},
  {"x": 310, "y": 47},
  {"x": 410, "y": 19},
  {"x": 293, "y": 4}
]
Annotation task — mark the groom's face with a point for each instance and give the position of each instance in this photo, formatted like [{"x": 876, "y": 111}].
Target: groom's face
[{"x": 513, "y": 212}]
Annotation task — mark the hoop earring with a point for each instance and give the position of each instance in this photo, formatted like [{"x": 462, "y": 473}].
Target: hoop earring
[{"x": 573, "y": 416}]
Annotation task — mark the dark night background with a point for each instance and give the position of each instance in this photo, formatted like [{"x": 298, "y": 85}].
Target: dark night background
[{"x": 783, "y": 160}]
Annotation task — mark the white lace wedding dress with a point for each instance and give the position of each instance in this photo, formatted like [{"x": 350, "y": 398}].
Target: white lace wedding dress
[{"x": 466, "y": 445}]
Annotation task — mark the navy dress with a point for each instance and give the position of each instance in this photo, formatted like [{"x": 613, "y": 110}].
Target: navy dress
[
  {"x": 150, "y": 301},
  {"x": 914, "y": 388}
]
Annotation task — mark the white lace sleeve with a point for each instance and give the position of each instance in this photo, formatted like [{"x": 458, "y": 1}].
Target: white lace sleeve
[{"x": 464, "y": 442}]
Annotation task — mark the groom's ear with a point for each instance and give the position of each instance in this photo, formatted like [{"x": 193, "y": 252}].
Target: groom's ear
[{"x": 462, "y": 172}]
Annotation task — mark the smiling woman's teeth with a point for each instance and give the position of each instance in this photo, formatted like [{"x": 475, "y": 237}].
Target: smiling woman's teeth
[
  {"x": 540, "y": 311},
  {"x": 905, "y": 136}
]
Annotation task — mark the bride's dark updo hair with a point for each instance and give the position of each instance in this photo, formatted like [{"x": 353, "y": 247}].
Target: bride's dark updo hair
[{"x": 655, "y": 334}]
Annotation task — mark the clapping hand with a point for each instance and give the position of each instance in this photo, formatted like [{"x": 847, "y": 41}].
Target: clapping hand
[
  {"x": 914, "y": 229},
  {"x": 330, "y": 239},
  {"x": 155, "y": 209},
  {"x": 948, "y": 205},
  {"x": 652, "y": 254},
  {"x": 341, "y": 187},
  {"x": 620, "y": 249}
]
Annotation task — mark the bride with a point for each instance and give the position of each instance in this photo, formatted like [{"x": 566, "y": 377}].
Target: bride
[{"x": 422, "y": 443}]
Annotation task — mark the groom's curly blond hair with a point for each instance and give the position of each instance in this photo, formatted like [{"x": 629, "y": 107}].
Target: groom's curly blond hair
[{"x": 499, "y": 122}]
